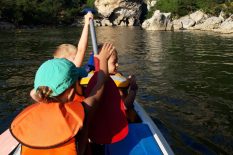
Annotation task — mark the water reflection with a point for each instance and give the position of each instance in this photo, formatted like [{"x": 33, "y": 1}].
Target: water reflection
[{"x": 185, "y": 79}]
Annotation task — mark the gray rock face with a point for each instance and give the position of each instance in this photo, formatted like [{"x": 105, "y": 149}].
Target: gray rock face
[
  {"x": 159, "y": 21},
  {"x": 119, "y": 12}
]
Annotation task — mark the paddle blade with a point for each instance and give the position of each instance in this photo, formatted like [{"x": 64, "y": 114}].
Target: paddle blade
[{"x": 109, "y": 123}]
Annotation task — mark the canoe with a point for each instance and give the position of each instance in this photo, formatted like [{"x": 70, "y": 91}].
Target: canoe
[{"x": 144, "y": 138}]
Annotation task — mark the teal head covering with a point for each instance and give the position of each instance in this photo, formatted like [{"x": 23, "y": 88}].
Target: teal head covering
[{"x": 58, "y": 75}]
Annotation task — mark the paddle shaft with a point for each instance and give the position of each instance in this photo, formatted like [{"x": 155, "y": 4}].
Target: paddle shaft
[
  {"x": 94, "y": 44},
  {"x": 93, "y": 37}
]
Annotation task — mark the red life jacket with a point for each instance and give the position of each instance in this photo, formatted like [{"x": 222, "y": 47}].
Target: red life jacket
[
  {"x": 49, "y": 128},
  {"x": 109, "y": 124}
]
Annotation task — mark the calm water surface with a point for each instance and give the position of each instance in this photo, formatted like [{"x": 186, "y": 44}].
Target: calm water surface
[{"x": 185, "y": 79}]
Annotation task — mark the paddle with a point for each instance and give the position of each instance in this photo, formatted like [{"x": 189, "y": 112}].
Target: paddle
[
  {"x": 109, "y": 123},
  {"x": 93, "y": 36}
]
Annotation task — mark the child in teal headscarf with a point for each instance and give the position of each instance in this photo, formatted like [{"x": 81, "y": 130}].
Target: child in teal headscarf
[{"x": 50, "y": 126}]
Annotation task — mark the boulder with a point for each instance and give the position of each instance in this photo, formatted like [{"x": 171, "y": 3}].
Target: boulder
[
  {"x": 198, "y": 16},
  {"x": 209, "y": 24},
  {"x": 159, "y": 21},
  {"x": 226, "y": 26},
  {"x": 177, "y": 24},
  {"x": 187, "y": 22}
]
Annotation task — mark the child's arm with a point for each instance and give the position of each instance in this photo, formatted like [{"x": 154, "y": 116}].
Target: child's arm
[
  {"x": 82, "y": 45},
  {"x": 130, "y": 97},
  {"x": 90, "y": 102},
  {"x": 103, "y": 74}
]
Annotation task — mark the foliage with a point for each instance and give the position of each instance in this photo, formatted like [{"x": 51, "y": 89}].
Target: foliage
[
  {"x": 50, "y": 12},
  {"x": 184, "y": 7},
  {"x": 40, "y": 11},
  {"x": 90, "y": 3}
]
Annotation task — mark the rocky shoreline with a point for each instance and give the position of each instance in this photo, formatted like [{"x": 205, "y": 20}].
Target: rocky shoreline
[
  {"x": 128, "y": 13},
  {"x": 132, "y": 13},
  {"x": 195, "y": 21}
]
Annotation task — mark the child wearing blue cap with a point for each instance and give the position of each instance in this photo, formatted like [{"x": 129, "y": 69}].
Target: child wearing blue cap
[
  {"x": 128, "y": 94},
  {"x": 50, "y": 126}
]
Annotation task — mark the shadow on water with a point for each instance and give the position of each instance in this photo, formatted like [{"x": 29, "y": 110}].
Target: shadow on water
[{"x": 185, "y": 79}]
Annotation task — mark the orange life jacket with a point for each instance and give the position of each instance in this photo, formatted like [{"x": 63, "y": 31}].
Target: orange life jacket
[
  {"x": 49, "y": 128},
  {"x": 65, "y": 149}
]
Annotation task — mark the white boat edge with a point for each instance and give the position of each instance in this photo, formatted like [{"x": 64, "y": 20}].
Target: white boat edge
[{"x": 163, "y": 144}]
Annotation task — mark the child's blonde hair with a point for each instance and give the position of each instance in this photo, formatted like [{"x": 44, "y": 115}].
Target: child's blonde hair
[{"x": 65, "y": 51}]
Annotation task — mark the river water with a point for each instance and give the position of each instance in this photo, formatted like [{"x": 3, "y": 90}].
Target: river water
[{"x": 185, "y": 79}]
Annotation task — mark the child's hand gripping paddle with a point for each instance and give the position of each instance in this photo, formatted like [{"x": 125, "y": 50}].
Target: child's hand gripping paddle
[
  {"x": 93, "y": 37},
  {"x": 109, "y": 123}
]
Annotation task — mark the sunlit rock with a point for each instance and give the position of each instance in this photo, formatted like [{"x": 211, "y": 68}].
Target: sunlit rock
[
  {"x": 159, "y": 21},
  {"x": 177, "y": 24},
  {"x": 187, "y": 22},
  {"x": 198, "y": 16},
  {"x": 209, "y": 24},
  {"x": 119, "y": 12},
  {"x": 226, "y": 26}
]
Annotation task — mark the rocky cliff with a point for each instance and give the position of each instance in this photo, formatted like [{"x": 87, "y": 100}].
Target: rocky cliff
[{"x": 119, "y": 12}]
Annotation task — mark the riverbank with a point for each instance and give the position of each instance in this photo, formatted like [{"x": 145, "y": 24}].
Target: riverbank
[
  {"x": 10, "y": 26},
  {"x": 195, "y": 21},
  {"x": 135, "y": 13}
]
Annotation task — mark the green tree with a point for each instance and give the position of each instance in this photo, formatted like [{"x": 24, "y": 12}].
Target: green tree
[{"x": 40, "y": 11}]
